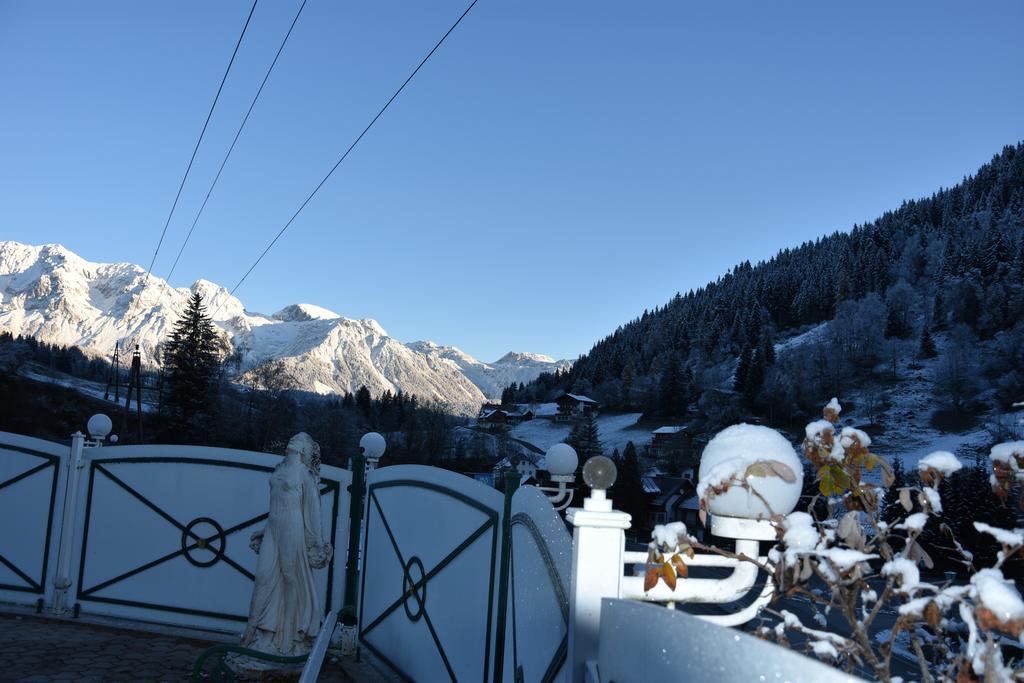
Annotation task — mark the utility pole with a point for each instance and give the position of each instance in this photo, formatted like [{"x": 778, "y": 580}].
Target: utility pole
[
  {"x": 134, "y": 382},
  {"x": 114, "y": 376}
]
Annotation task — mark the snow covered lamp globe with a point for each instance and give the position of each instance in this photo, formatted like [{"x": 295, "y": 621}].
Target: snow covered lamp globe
[
  {"x": 99, "y": 426},
  {"x": 372, "y": 446},
  {"x": 561, "y": 461},
  {"x": 748, "y": 475}
]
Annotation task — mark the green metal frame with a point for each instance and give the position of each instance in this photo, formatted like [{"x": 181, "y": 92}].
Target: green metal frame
[
  {"x": 52, "y": 461},
  {"x": 411, "y": 588},
  {"x": 88, "y": 594},
  {"x": 222, "y": 672}
]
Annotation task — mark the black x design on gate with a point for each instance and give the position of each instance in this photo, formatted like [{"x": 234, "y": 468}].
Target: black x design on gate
[
  {"x": 51, "y": 462},
  {"x": 191, "y": 540},
  {"x": 414, "y": 589}
]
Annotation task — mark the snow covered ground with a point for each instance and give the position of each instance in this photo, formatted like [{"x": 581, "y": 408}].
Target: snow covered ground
[{"x": 614, "y": 430}]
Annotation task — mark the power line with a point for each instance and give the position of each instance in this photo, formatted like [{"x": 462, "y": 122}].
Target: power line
[
  {"x": 199, "y": 141},
  {"x": 237, "y": 134},
  {"x": 347, "y": 151}
]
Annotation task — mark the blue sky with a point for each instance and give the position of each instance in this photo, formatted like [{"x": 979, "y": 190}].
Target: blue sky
[{"x": 554, "y": 169}]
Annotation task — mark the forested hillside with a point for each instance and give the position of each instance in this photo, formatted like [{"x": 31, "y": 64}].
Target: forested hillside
[{"x": 937, "y": 284}]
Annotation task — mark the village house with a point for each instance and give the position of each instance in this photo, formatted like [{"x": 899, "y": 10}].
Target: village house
[
  {"x": 499, "y": 419},
  {"x": 673, "y": 446},
  {"x": 574, "y": 406}
]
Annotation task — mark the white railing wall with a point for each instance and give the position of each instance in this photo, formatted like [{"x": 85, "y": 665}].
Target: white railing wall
[{"x": 155, "y": 533}]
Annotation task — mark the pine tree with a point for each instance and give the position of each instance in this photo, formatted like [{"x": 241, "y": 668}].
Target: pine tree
[
  {"x": 672, "y": 397},
  {"x": 755, "y": 376},
  {"x": 743, "y": 369},
  {"x": 927, "y": 347},
  {"x": 585, "y": 439},
  {"x": 628, "y": 489},
  {"x": 766, "y": 346},
  {"x": 192, "y": 357}
]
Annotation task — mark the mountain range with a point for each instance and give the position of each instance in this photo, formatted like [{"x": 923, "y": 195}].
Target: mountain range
[{"x": 50, "y": 293}]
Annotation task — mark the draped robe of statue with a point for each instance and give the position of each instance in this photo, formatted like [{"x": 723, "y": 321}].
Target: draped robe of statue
[{"x": 285, "y": 614}]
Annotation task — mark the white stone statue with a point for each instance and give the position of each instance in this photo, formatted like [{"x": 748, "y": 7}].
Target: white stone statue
[{"x": 285, "y": 614}]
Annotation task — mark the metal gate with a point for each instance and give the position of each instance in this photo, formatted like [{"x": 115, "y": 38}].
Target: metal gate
[
  {"x": 460, "y": 582},
  {"x": 164, "y": 533},
  {"x": 31, "y": 488},
  {"x": 537, "y": 640}
]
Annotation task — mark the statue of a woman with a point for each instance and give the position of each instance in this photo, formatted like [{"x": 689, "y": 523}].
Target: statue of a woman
[{"x": 285, "y": 617}]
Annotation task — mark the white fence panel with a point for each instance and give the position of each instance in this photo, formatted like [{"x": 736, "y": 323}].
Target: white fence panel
[
  {"x": 429, "y": 581},
  {"x": 32, "y": 475},
  {"x": 163, "y": 533},
  {"x": 643, "y": 642},
  {"x": 536, "y": 642}
]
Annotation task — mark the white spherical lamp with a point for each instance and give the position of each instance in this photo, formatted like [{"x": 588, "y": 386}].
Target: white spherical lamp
[
  {"x": 98, "y": 426},
  {"x": 751, "y": 472},
  {"x": 372, "y": 445},
  {"x": 561, "y": 460}
]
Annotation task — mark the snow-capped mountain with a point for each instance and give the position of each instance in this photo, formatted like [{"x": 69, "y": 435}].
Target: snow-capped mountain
[
  {"x": 492, "y": 378},
  {"x": 52, "y": 294}
]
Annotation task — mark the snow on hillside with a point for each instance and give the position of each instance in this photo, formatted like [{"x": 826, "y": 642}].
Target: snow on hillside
[
  {"x": 900, "y": 426},
  {"x": 50, "y": 293},
  {"x": 614, "y": 430}
]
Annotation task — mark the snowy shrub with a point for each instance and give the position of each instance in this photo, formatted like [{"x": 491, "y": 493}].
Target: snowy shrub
[{"x": 862, "y": 577}]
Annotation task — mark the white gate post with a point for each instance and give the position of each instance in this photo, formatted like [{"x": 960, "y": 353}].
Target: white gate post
[
  {"x": 65, "y": 549},
  {"x": 597, "y": 564}
]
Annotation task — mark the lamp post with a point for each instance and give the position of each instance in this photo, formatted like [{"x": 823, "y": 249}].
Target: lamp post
[
  {"x": 98, "y": 428},
  {"x": 372, "y": 445},
  {"x": 561, "y": 461}
]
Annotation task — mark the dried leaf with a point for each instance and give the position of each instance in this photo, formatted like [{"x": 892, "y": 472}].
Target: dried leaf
[
  {"x": 669, "y": 575},
  {"x": 806, "y": 570},
  {"x": 918, "y": 555},
  {"x": 905, "y": 501},
  {"x": 682, "y": 571},
  {"x": 849, "y": 528},
  {"x": 758, "y": 469},
  {"x": 932, "y": 614},
  {"x": 650, "y": 579},
  {"x": 888, "y": 477},
  {"x": 783, "y": 471},
  {"x": 703, "y": 515}
]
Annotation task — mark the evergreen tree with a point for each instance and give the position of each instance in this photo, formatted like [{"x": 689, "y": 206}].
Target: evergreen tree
[
  {"x": 743, "y": 369},
  {"x": 755, "y": 376},
  {"x": 927, "y": 347},
  {"x": 363, "y": 401},
  {"x": 585, "y": 439},
  {"x": 192, "y": 357},
  {"x": 672, "y": 399},
  {"x": 766, "y": 345},
  {"x": 628, "y": 489}
]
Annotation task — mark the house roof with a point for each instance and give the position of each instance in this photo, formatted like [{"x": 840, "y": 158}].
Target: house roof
[
  {"x": 669, "y": 430},
  {"x": 579, "y": 397},
  {"x": 650, "y": 485}
]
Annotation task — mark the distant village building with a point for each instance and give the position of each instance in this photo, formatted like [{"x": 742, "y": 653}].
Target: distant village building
[
  {"x": 674, "y": 444},
  {"x": 670, "y": 499},
  {"x": 574, "y": 406},
  {"x": 499, "y": 419}
]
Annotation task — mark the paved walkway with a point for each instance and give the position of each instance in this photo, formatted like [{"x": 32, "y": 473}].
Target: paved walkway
[{"x": 46, "y": 649}]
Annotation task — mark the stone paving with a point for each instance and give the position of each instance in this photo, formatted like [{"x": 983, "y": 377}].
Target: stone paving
[{"x": 37, "y": 648}]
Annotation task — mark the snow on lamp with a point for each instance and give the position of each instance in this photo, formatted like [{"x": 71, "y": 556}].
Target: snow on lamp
[
  {"x": 372, "y": 445},
  {"x": 750, "y": 472},
  {"x": 99, "y": 426},
  {"x": 561, "y": 462}
]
